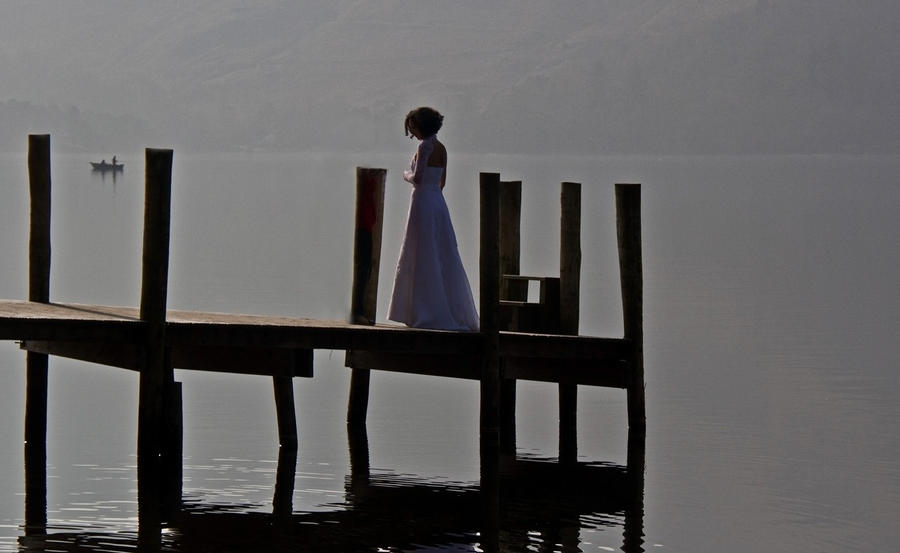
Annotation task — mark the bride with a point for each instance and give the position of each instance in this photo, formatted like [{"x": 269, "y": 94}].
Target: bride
[{"x": 431, "y": 289}]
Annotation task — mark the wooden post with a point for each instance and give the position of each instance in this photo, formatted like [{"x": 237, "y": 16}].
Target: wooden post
[
  {"x": 569, "y": 291},
  {"x": 510, "y": 264},
  {"x": 37, "y": 363},
  {"x": 489, "y": 284},
  {"x": 511, "y": 240},
  {"x": 172, "y": 446},
  {"x": 156, "y": 371},
  {"x": 628, "y": 224},
  {"x": 285, "y": 477},
  {"x": 366, "y": 264},
  {"x": 633, "y": 533},
  {"x": 358, "y": 448},
  {"x": 285, "y": 411}
]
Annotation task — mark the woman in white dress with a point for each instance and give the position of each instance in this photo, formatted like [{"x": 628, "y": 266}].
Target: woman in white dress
[{"x": 431, "y": 289}]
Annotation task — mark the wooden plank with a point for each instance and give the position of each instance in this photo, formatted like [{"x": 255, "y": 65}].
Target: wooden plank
[
  {"x": 453, "y": 366},
  {"x": 601, "y": 373},
  {"x": 240, "y": 360},
  {"x": 598, "y": 372},
  {"x": 554, "y": 346},
  {"x": 25, "y": 320}
]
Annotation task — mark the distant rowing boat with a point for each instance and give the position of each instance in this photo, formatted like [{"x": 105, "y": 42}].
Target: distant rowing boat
[{"x": 104, "y": 166}]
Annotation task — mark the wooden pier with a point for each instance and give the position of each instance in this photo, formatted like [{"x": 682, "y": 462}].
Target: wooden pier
[{"x": 518, "y": 340}]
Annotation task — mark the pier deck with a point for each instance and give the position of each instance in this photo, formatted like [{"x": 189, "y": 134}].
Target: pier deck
[{"x": 275, "y": 346}]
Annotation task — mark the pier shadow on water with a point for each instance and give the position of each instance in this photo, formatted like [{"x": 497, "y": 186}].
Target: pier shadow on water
[{"x": 530, "y": 504}]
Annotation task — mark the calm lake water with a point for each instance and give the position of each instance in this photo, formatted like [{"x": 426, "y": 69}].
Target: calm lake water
[{"x": 772, "y": 317}]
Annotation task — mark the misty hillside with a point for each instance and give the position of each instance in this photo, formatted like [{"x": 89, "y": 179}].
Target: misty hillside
[{"x": 583, "y": 76}]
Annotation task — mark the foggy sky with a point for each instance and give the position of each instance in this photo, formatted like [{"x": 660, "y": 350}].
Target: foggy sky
[{"x": 580, "y": 76}]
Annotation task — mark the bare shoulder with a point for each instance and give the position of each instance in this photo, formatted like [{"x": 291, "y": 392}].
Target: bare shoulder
[{"x": 438, "y": 157}]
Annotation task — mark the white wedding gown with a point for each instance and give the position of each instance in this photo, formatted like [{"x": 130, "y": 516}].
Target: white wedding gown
[{"x": 431, "y": 289}]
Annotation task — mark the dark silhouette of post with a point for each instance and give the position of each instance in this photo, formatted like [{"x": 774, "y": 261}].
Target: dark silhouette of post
[
  {"x": 628, "y": 226},
  {"x": 633, "y": 531},
  {"x": 366, "y": 264},
  {"x": 285, "y": 478},
  {"x": 156, "y": 371},
  {"x": 489, "y": 284},
  {"x": 517, "y": 290},
  {"x": 37, "y": 363},
  {"x": 286, "y": 411},
  {"x": 569, "y": 291}
]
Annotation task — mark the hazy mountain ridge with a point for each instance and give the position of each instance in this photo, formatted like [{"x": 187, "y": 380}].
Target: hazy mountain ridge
[{"x": 513, "y": 76}]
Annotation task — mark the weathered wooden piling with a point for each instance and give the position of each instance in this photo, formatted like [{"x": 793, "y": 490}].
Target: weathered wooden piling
[
  {"x": 285, "y": 411},
  {"x": 156, "y": 377},
  {"x": 569, "y": 291},
  {"x": 491, "y": 390},
  {"x": 366, "y": 264},
  {"x": 489, "y": 304},
  {"x": 37, "y": 363},
  {"x": 511, "y": 289},
  {"x": 628, "y": 233}
]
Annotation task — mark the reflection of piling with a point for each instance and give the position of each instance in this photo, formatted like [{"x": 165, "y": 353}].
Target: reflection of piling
[{"x": 37, "y": 363}]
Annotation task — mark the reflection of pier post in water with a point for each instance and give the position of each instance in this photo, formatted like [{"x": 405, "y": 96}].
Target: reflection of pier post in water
[
  {"x": 519, "y": 340},
  {"x": 545, "y": 505}
]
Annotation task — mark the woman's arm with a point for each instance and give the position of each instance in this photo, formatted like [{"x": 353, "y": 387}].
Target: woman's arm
[{"x": 414, "y": 173}]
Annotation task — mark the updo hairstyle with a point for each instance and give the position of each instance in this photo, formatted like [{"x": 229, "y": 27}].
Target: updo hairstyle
[{"x": 426, "y": 120}]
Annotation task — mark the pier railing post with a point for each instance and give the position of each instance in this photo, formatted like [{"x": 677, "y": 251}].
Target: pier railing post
[
  {"x": 37, "y": 363},
  {"x": 510, "y": 264},
  {"x": 489, "y": 285},
  {"x": 489, "y": 306},
  {"x": 366, "y": 265},
  {"x": 156, "y": 377},
  {"x": 628, "y": 224},
  {"x": 570, "y": 297}
]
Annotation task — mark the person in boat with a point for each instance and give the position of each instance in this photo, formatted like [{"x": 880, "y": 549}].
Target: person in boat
[{"x": 114, "y": 160}]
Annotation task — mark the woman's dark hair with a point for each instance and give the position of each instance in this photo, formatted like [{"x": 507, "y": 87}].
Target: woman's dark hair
[{"x": 426, "y": 120}]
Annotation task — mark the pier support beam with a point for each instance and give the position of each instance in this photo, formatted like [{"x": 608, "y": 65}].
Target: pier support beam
[
  {"x": 569, "y": 303},
  {"x": 628, "y": 225},
  {"x": 37, "y": 363},
  {"x": 366, "y": 264}
]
